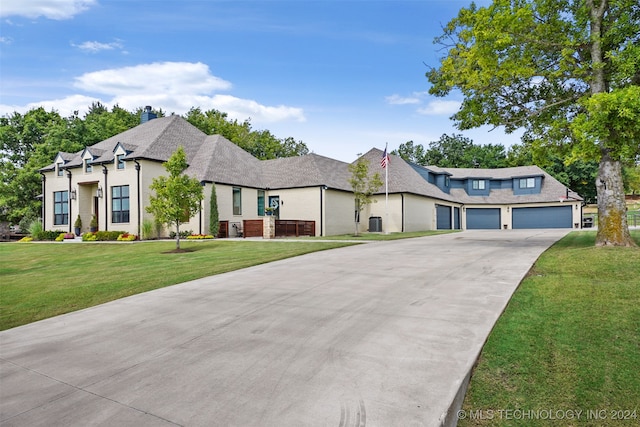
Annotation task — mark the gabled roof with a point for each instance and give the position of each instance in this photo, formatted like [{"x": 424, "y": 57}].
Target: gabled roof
[
  {"x": 402, "y": 177},
  {"x": 306, "y": 171},
  {"x": 220, "y": 160},
  {"x": 552, "y": 189},
  {"x": 212, "y": 158}
]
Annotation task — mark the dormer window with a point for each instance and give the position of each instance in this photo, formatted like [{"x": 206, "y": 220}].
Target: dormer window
[
  {"x": 478, "y": 184},
  {"x": 527, "y": 183},
  {"x": 447, "y": 180},
  {"x": 87, "y": 166},
  {"x": 120, "y": 161},
  {"x": 59, "y": 170}
]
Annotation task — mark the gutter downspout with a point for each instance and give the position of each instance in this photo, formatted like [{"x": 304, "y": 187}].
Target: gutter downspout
[
  {"x": 402, "y": 207},
  {"x": 43, "y": 208},
  {"x": 322, "y": 190},
  {"x": 69, "y": 200},
  {"x": 138, "y": 195},
  {"x": 105, "y": 171}
]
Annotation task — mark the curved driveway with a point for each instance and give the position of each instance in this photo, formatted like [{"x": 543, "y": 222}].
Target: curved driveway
[{"x": 381, "y": 334}]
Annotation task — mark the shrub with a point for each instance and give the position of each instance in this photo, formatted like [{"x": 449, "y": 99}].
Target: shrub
[
  {"x": 60, "y": 237},
  {"x": 106, "y": 236},
  {"x": 199, "y": 236},
  {"x": 147, "y": 229},
  {"x": 126, "y": 237},
  {"x": 183, "y": 234},
  {"x": 50, "y": 235},
  {"x": 26, "y": 239},
  {"x": 89, "y": 237},
  {"x": 35, "y": 229}
]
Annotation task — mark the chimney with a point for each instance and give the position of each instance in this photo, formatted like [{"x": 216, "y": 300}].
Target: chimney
[{"x": 147, "y": 115}]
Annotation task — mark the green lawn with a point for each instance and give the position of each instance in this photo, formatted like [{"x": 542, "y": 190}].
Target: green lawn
[
  {"x": 40, "y": 280},
  {"x": 569, "y": 340}
]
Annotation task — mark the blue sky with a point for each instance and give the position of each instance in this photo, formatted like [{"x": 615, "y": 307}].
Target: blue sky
[{"x": 342, "y": 76}]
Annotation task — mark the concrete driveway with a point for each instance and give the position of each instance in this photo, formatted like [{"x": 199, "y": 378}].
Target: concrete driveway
[{"x": 382, "y": 334}]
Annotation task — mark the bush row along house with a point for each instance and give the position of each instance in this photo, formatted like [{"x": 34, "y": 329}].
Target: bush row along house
[{"x": 111, "y": 180}]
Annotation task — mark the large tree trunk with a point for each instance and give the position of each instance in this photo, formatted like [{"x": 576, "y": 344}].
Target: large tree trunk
[{"x": 613, "y": 228}]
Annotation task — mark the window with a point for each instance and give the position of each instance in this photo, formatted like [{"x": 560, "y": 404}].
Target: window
[
  {"x": 120, "y": 204},
  {"x": 447, "y": 180},
  {"x": 87, "y": 167},
  {"x": 237, "y": 201},
  {"x": 478, "y": 184},
  {"x": 260, "y": 202},
  {"x": 120, "y": 161},
  {"x": 59, "y": 170},
  {"x": 527, "y": 183},
  {"x": 60, "y": 207}
]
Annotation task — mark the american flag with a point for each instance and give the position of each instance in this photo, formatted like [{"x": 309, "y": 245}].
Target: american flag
[{"x": 385, "y": 159}]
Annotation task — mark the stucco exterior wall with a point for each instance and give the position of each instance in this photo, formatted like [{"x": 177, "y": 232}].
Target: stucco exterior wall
[
  {"x": 299, "y": 204},
  {"x": 418, "y": 213},
  {"x": 339, "y": 213}
]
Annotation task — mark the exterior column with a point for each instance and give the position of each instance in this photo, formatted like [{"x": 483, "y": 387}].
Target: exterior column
[{"x": 269, "y": 227}]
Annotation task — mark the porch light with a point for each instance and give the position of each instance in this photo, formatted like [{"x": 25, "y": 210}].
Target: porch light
[
  {"x": 99, "y": 193},
  {"x": 73, "y": 194}
]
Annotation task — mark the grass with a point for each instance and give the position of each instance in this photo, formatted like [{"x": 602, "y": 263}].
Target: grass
[
  {"x": 47, "y": 279},
  {"x": 569, "y": 340}
]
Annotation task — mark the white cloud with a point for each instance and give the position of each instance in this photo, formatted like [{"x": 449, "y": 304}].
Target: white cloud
[
  {"x": 440, "y": 107},
  {"x": 414, "y": 98},
  {"x": 172, "y": 79},
  {"x": 5, "y": 40},
  {"x": 64, "y": 106},
  {"x": 95, "y": 47},
  {"x": 52, "y": 9},
  {"x": 173, "y": 86}
]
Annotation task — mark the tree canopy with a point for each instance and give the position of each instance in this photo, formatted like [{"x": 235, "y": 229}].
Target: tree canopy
[{"x": 566, "y": 71}]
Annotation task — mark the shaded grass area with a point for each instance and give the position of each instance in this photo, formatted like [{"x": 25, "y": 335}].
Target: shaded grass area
[
  {"x": 46, "y": 279},
  {"x": 569, "y": 340},
  {"x": 382, "y": 236}
]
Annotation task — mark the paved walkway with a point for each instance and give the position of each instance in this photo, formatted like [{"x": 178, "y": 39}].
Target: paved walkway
[{"x": 382, "y": 334}]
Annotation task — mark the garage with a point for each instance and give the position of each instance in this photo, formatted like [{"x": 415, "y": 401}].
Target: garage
[
  {"x": 443, "y": 217},
  {"x": 483, "y": 218},
  {"x": 542, "y": 217}
]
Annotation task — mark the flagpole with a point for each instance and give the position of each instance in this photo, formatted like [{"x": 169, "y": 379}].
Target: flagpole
[{"x": 386, "y": 190}]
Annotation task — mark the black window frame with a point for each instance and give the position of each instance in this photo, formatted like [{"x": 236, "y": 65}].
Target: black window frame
[
  {"x": 120, "y": 215},
  {"x": 237, "y": 210},
  {"x": 61, "y": 207},
  {"x": 120, "y": 161}
]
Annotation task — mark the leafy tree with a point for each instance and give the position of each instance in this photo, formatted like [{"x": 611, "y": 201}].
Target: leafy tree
[
  {"x": 364, "y": 185},
  {"x": 177, "y": 197},
  {"x": 261, "y": 144},
  {"x": 455, "y": 151},
  {"x": 410, "y": 152},
  {"x": 26, "y": 145},
  {"x": 632, "y": 179},
  {"x": 214, "y": 215},
  {"x": 567, "y": 71}
]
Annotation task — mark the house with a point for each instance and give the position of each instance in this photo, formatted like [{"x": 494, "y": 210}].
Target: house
[{"x": 111, "y": 180}]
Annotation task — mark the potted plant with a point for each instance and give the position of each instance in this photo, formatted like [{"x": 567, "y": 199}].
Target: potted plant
[
  {"x": 93, "y": 225},
  {"x": 78, "y": 225},
  {"x": 269, "y": 210}
]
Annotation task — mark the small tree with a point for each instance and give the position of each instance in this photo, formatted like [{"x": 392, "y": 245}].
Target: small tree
[
  {"x": 364, "y": 185},
  {"x": 177, "y": 196},
  {"x": 214, "y": 216}
]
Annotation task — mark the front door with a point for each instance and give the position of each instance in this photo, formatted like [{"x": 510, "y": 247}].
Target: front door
[{"x": 274, "y": 202}]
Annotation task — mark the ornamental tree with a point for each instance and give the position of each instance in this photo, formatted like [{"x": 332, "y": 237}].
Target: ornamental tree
[
  {"x": 566, "y": 71},
  {"x": 364, "y": 186},
  {"x": 177, "y": 196}
]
